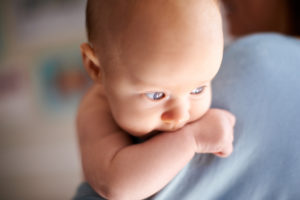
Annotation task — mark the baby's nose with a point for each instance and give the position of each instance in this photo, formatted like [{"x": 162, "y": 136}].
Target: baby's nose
[{"x": 176, "y": 115}]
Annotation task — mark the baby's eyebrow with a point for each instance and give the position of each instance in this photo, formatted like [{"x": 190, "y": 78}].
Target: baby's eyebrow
[
  {"x": 154, "y": 85},
  {"x": 161, "y": 86},
  {"x": 140, "y": 82}
]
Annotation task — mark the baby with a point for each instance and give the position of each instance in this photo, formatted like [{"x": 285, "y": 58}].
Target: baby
[{"x": 152, "y": 63}]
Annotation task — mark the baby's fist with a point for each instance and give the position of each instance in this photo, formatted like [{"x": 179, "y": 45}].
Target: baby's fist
[{"x": 213, "y": 133}]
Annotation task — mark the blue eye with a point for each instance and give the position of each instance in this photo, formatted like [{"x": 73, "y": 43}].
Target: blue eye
[
  {"x": 156, "y": 95},
  {"x": 198, "y": 90}
]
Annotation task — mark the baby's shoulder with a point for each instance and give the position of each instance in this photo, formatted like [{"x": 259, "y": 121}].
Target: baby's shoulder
[
  {"x": 95, "y": 122},
  {"x": 94, "y": 113},
  {"x": 94, "y": 99}
]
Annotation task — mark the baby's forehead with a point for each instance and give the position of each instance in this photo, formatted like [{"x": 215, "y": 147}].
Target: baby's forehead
[
  {"x": 148, "y": 30},
  {"x": 115, "y": 15}
]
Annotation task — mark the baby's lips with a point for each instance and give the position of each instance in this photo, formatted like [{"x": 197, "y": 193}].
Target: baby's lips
[{"x": 225, "y": 152}]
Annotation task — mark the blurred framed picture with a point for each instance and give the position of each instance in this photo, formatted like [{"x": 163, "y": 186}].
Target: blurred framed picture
[{"x": 60, "y": 79}]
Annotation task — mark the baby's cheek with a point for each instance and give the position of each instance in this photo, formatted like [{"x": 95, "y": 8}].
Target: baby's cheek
[
  {"x": 136, "y": 124},
  {"x": 198, "y": 109},
  {"x": 196, "y": 114}
]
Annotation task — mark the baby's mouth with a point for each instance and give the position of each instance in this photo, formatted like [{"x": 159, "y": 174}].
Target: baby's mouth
[{"x": 171, "y": 126}]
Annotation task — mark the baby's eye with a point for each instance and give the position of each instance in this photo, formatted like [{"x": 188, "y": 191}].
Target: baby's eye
[
  {"x": 198, "y": 90},
  {"x": 156, "y": 95}
]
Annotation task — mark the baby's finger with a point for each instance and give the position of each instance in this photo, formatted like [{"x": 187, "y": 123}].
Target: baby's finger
[
  {"x": 225, "y": 153},
  {"x": 230, "y": 117}
]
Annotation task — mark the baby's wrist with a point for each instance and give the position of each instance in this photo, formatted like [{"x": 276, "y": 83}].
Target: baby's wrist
[{"x": 188, "y": 136}]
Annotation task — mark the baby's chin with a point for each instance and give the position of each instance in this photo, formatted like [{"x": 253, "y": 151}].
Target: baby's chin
[{"x": 140, "y": 133}]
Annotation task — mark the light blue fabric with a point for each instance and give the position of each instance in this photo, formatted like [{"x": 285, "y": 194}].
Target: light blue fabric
[{"x": 260, "y": 83}]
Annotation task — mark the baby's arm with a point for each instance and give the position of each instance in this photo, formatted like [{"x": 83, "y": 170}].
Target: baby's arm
[{"x": 118, "y": 169}]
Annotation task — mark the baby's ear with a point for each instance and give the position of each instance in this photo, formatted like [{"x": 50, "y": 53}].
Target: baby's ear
[{"x": 91, "y": 62}]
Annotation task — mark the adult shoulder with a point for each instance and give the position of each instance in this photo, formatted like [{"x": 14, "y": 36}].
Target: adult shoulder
[
  {"x": 263, "y": 45},
  {"x": 260, "y": 66},
  {"x": 259, "y": 82}
]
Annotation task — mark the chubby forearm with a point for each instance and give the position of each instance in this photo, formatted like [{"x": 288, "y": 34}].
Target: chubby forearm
[
  {"x": 148, "y": 167},
  {"x": 138, "y": 171}
]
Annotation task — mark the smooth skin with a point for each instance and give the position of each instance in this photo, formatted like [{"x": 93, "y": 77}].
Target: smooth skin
[{"x": 159, "y": 82}]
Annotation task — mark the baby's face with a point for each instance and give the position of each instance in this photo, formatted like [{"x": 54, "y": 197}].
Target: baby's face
[{"x": 162, "y": 78}]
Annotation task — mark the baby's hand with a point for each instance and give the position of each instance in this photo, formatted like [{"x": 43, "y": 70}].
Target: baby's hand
[{"x": 213, "y": 133}]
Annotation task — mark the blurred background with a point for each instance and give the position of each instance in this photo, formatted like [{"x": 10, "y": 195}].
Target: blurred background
[{"x": 41, "y": 82}]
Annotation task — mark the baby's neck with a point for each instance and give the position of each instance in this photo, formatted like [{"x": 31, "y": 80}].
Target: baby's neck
[{"x": 145, "y": 137}]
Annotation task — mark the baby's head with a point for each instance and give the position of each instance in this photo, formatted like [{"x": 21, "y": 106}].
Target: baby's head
[{"x": 155, "y": 59}]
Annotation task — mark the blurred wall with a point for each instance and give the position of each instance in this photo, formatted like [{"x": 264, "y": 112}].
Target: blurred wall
[{"x": 41, "y": 82}]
